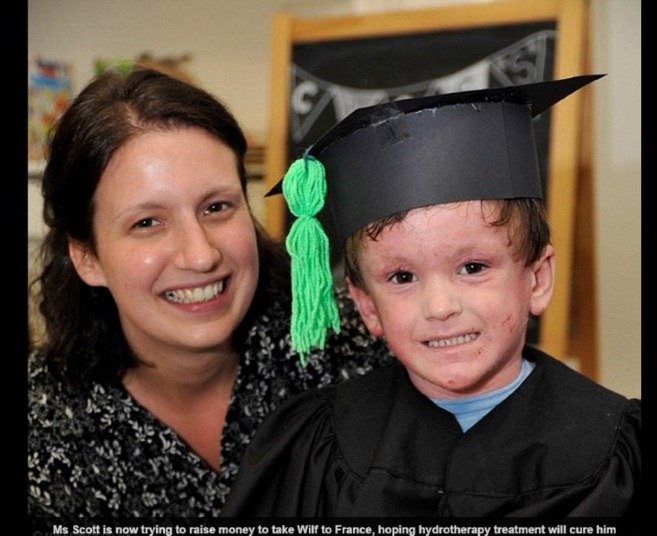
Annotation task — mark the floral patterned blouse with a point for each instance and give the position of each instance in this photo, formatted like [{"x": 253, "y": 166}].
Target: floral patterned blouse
[{"x": 98, "y": 453}]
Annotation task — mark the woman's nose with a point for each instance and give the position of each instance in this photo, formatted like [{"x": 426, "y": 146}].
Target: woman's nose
[{"x": 196, "y": 249}]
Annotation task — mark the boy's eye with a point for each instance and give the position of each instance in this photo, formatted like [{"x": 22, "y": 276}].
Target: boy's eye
[
  {"x": 472, "y": 268},
  {"x": 402, "y": 277}
]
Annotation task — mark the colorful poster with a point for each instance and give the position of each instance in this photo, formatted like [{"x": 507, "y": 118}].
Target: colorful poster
[{"x": 49, "y": 93}]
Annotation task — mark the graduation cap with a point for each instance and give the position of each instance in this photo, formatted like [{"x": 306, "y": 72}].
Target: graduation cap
[{"x": 383, "y": 159}]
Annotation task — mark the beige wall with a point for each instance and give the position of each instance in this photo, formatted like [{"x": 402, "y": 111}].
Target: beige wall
[
  {"x": 616, "y": 49},
  {"x": 229, "y": 41}
]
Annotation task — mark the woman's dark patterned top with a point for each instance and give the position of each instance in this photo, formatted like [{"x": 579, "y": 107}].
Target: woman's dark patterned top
[{"x": 98, "y": 453}]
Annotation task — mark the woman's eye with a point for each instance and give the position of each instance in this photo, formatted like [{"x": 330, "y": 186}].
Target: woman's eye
[
  {"x": 402, "y": 277},
  {"x": 472, "y": 268},
  {"x": 219, "y": 206},
  {"x": 144, "y": 223}
]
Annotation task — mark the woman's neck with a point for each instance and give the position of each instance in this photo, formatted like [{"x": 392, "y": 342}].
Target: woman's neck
[
  {"x": 188, "y": 395},
  {"x": 185, "y": 376}
]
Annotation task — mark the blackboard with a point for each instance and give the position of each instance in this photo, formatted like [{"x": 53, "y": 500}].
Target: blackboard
[
  {"x": 328, "y": 80},
  {"x": 324, "y": 68}
]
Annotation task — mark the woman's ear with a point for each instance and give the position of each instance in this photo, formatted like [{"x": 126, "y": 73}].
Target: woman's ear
[
  {"x": 86, "y": 264},
  {"x": 543, "y": 272},
  {"x": 366, "y": 308}
]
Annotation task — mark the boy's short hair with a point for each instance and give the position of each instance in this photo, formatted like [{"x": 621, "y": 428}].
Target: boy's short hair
[{"x": 525, "y": 218}]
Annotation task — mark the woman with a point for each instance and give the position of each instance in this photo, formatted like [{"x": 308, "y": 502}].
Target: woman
[{"x": 165, "y": 306}]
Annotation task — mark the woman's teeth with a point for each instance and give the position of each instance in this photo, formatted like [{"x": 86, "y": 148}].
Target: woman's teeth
[
  {"x": 439, "y": 343},
  {"x": 195, "y": 295}
]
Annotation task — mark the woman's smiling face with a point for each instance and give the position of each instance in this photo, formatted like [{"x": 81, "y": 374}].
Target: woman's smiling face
[{"x": 175, "y": 242}]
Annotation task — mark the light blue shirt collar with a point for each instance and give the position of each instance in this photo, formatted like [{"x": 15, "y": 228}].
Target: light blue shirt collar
[{"x": 471, "y": 409}]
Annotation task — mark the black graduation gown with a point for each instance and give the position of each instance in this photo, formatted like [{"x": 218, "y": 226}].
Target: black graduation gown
[{"x": 559, "y": 446}]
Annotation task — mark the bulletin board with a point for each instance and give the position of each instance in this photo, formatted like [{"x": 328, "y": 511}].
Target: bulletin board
[{"x": 324, "y": 68}]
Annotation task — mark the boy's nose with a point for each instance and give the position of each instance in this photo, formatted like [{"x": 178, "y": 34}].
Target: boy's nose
[{"x": 440, "y": 301}]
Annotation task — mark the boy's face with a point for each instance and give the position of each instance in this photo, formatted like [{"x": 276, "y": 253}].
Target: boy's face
[{"x": 450, "y": 297}]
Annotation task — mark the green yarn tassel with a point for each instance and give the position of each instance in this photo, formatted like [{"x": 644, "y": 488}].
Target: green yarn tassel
[{"x": 313, "y": 304}]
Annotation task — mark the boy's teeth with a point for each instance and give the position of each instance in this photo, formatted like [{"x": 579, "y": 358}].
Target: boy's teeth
[
  {"x": 199, "y": 294},
  {"x": 439, "y": 343}
]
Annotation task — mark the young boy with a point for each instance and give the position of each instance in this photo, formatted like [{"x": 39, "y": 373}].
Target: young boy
[{"x": 447, "y": 256}]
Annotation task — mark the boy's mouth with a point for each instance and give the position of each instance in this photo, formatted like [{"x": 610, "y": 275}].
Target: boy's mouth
[
  {"x": 452, "y": 341},
  {"x": 195, "y": 295}
]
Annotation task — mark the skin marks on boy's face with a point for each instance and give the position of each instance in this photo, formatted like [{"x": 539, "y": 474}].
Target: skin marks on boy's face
[{"x": 451, "y": 297}]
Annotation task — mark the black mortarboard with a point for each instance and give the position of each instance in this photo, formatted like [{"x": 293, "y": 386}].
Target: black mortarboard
[
  {"x": 410, "y": 153},
  {"x": 454, "y": 147}
]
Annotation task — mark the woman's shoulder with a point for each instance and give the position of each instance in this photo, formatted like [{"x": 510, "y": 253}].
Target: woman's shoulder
[
  {"x": 46, "y": 393},
  {"x": 59, "y": 409},
  {"x": 348, "y": 353},
  {"x": 56, "y": 409}
]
